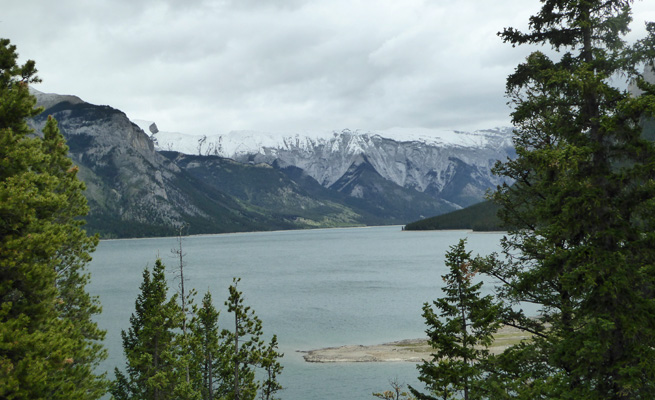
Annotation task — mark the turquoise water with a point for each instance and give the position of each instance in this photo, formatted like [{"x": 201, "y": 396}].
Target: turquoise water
[{"x": 313, "y": 288}]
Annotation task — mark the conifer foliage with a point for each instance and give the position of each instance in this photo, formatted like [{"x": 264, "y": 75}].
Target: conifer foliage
[
  {"x": 581, "y": 245},
  {"x": 149, "y": 343},
  {"x": 49, "y": 345},
  {"x": 460, "y": 328},
  {"x": 272, "y": 368},
  {"x": 212, "y": 355},
  {"x": 245, "y": 338},
  {"x": 163, "y": 361}
]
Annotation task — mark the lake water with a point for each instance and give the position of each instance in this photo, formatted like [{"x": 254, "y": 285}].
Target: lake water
[{"x": 313, "y": 288}]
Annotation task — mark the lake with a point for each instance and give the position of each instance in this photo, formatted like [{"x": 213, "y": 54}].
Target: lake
[{"x": 313, "y": 288}]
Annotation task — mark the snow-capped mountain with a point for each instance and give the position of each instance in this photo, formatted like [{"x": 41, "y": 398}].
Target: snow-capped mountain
[
  {"x": 451, "y": 165},
  {"x": 263, "y": 181}
]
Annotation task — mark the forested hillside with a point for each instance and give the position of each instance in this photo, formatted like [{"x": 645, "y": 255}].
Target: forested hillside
[{"x": 478, "y": 217}]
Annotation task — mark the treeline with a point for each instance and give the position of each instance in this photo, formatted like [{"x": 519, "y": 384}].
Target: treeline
[
  {"x": 478, "y": 217},
  {"x": 174, "y": 349}
]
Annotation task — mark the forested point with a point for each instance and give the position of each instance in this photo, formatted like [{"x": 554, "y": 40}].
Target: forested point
[{"x": 478, "y": 217}]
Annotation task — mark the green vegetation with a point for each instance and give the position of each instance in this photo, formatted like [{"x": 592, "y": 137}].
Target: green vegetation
[
  {"x": 581, "y": 239},
  {"x": 396, "y": 394},
  {"x": 49, "y": 344},
  {"x": 478, "y": 217},
  {"x": 460, "y": 329},
  {"x": 150, "y": 343},
  {"x": 268, "y": 193},
  {"x": 211, "y": 373},
  {"x": 168, "y": 358}
]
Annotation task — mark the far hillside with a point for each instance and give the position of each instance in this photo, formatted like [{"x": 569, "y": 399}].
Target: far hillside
[{"x": 478, "y": 217}]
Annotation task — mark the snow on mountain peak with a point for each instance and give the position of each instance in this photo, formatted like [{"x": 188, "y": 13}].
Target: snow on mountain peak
[
  {"x": 421, "y": 159},
  {"x": 242, "y": 142}
]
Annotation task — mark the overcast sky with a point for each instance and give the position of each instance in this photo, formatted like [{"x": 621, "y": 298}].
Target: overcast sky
[{"x": 288, "y": 66}]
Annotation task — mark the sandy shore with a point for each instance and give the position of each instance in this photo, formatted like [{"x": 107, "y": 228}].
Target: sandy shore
[{"x": 412, "y": 350}]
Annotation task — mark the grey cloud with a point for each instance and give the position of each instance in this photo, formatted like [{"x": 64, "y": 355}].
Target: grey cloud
[{"x": 202, "y": 66}]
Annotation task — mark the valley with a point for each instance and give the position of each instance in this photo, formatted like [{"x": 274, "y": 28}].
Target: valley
[{"x": 145, "y": 182}]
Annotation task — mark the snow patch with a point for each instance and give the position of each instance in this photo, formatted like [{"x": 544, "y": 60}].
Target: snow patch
[{"x": 239, "y": 143}]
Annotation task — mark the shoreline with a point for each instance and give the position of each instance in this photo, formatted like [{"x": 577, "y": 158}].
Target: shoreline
[
  {"x": 250, "y": 232},
  {"x": 408, "y": 350},
  {"x": 303, "y": 229}
]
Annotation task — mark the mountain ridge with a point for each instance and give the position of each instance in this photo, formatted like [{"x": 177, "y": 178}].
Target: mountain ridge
[
  {"x": 135, "y": 188},
  {"x": 415, "y": 159}
]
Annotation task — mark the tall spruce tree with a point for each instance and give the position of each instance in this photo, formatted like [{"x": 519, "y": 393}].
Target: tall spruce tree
[
  {"x": 460, "y": 329},
  {"x": 152, "y": 371},
  {"x": 49, "y": 343},
  {"x": 581, "y": 244}
]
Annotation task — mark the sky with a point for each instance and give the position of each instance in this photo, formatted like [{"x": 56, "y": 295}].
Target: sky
[{"x": 288, "y": 66}]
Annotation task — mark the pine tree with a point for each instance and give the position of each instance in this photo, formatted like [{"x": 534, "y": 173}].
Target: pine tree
[
  {"x": 49, "y": 343},
  {"x": 581, "y": 243},
  {"x": 460, "y": 329},
  {"x": 272, "y": 368},
  {"x": 227, "y": 364},
  {"x": 152, "y": 371},
  {"x": 163, "y": 362},
  {"x": 211, "y": 369},
  {"x": 246, "y": 345}
]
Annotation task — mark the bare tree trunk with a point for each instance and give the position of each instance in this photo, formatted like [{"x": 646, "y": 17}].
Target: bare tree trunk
[
  {"x": 180, "y": 254},
  {"x": 236, "y": 355}
]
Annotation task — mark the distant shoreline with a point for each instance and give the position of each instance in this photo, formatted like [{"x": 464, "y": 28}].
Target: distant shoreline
[
  {"x": 305, "y": 229},
  {"x": 247, "y": 232}
]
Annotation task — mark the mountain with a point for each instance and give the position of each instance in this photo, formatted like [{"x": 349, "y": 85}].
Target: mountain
[
  {"x": 155, "y": 183},
  {"x": 452, "y": 167},
  {"x": 268, "y": 191},
  {"x": 363, "y": 182},
  {"x": 135, "y": 191}
]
